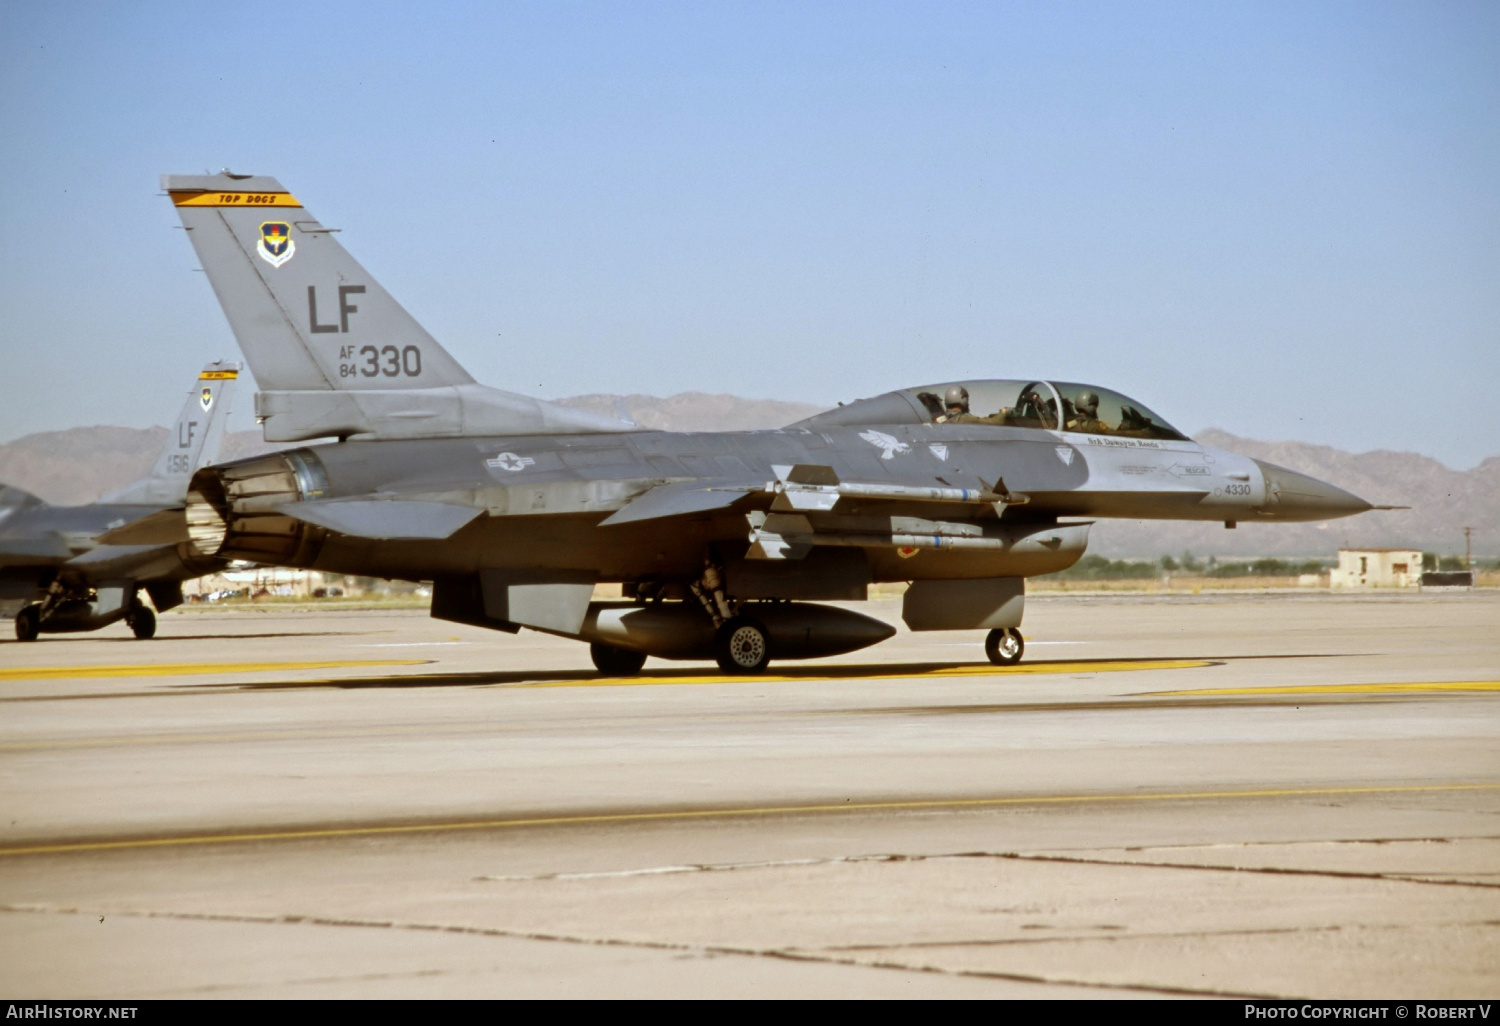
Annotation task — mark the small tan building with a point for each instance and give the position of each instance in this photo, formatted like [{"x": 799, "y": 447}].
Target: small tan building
[{"x": 1377, "y": 568}]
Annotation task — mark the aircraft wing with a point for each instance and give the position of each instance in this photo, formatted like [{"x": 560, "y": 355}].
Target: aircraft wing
[
  {"x": 384, "y": 518},
  {"x": 679, "y": 499}
]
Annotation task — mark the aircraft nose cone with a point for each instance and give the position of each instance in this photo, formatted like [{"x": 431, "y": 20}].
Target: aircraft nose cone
[{"x": 1294, "y": 496}]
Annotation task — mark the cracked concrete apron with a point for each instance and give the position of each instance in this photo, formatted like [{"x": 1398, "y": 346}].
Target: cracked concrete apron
[{"x": 907, "y": 825}]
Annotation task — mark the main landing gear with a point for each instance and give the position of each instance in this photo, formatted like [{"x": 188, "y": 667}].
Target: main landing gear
[
  {"x": 617, "y": 662},
  {"x": 742, "y": 646},
  {"x": 67, "y": 609},
  {"x": 29, "y": 623},
  {"x": 142, "y": 621},
  {"x": 1004, "y": 646}
]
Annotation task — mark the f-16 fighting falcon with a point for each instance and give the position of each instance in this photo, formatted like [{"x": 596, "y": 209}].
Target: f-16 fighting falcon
[
  {"x": 65, "y": 563},
  {"x": 724, "y": 542}
]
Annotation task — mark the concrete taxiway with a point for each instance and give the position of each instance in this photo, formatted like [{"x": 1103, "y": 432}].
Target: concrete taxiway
[{"x": 1274, "y": 795}]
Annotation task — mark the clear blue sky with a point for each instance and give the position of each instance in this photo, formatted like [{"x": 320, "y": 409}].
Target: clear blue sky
[{"x": 1281, "y": 219}]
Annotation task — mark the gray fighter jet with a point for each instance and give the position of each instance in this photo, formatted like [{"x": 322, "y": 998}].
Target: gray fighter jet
[
  {"x": 724, "y": 542},
  {"x": 63, "y": 564}
]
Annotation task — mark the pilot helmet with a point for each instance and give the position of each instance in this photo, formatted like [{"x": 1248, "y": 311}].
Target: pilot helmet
[
  {"x": 958, "y": 396},
  {"x": 1087, "y": 402}
]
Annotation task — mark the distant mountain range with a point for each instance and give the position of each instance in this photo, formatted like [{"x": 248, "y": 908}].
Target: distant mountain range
[
  {"x": 1443, "y": 502},
  {"x": 80, "y": 464}
]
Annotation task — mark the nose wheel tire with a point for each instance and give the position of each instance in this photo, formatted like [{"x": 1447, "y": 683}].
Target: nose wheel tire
[
  {"x": 742, "y": 646},
  {"x": 1004, "y": 646},
  {"x": 616, "y": 662},
  {"x": 142, "y": 622},
  {"x": 28, "y": 624}
]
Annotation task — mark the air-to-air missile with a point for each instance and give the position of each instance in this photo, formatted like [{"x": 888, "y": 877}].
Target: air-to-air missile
[
  {"x": 515, "y": 508},
  {"x": 63, "y": 565}
]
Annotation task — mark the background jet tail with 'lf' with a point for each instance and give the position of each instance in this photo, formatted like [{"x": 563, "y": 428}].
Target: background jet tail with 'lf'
[
  {"x": 334, "y": 354},
  {"x": 79, "y": 568},
  {"x": 194, "y": 442}
]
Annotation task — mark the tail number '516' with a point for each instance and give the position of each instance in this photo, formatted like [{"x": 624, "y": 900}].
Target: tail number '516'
[{"x": 384, "y": 361}]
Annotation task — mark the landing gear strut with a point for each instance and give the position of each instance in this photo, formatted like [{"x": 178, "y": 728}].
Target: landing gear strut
[
  {"x": 742, "y": 645},
  {"x": 709, "y": 590},
  {"x": 1004, "y": 646}
]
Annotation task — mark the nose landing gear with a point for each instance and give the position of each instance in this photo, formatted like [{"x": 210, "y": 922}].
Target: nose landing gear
[{"x": 1004, "y": 646}]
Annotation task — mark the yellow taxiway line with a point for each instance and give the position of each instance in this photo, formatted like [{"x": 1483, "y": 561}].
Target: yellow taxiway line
[
  {"x": 820, "y": 673},
  {"x": 1337, "y": 689},
  {"x": 187, "y": 669},
  {"x": 584, "y": 819},
  {"x": 833, "y": 673}
]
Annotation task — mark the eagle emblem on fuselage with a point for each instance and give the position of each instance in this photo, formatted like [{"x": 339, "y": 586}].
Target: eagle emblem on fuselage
[{"x": 889, "y": 445}]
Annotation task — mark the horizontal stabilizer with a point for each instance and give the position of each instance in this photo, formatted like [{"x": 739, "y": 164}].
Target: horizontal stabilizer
[
  {"x": 675, "y": 500},
  {"x": 103, "y": 554},
  {"x": 164, "y": 527},
  {"x": 384, "y": 518}
]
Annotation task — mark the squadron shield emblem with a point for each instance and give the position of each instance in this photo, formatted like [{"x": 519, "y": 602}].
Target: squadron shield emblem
[
  {"x": 276, "y": 246},
  {"x": 206, "y": 398}
]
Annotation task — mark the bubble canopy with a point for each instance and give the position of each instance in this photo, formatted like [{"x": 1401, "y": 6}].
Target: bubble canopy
[{"x": 1041, "y": 405}]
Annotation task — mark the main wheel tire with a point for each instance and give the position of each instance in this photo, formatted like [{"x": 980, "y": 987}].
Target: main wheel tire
[
  {"x": 617, "y": 662},
  {"x": 142, "y": 622},
  {"x": 1004, "y": 646},
  {"x": 742, "y": 646},
  {"x": 28, "y": 624}
]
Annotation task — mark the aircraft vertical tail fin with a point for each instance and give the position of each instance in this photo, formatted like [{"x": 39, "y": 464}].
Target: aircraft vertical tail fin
[
  {"x": 334, "y": 353},
  {"x": 195, "y": 439},
  {"x": 306, "y": 314}
]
